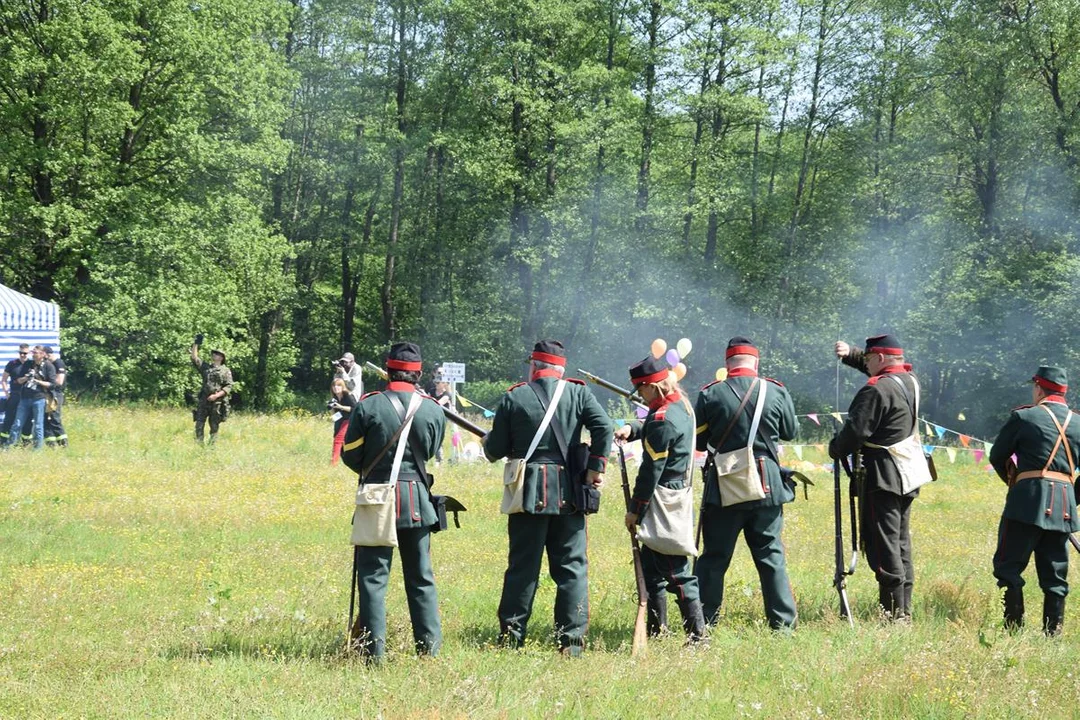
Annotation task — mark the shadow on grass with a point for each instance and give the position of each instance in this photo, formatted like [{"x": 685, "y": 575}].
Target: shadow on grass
[
  {"x": 602, "y": 636},
  {"x": 322, "y": 642}
]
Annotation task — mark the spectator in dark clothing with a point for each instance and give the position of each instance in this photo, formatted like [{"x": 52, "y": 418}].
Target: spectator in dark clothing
[
  {"x": 12, "y": 391},
  {"x": 36, "y": 376},
  {"x": 342, "y": 403}
]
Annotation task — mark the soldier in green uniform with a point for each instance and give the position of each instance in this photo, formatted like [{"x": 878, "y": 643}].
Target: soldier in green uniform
[
  {"x": 1040, "y": 508},
  {"x": 373, "y": 423},
  {"x": 549, "y": 518},
  {"x": 667, "y": 439},
  {"x": 882, "y": 414},
  {"x": 719, "y": 420},
  {"x": 214, "y": 394}
]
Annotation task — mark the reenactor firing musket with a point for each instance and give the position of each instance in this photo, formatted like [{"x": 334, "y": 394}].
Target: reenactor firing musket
[
  {"x": 629, "y": 395},
  {"x": 640, "y": 629},
  {"x": 450, "y": 414}
]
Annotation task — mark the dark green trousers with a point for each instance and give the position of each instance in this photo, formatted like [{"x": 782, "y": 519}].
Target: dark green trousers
[
  {"x": 373, "y": 570},
  {"x": 761, "y": 526},
  {"x": 565, "y": 540},
  {"x": 668, "y": 572},
  {"x": 1017, "y": 541}
]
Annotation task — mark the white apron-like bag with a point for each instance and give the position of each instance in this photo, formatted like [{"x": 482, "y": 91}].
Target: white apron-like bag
[
  {"x": 514, "y": 470},
  {"x": 908, "y": 454},
  {"x": 737, "y": 471},
  {"x": 668, "y": 525},
  {"x": 375, "y": 516}
]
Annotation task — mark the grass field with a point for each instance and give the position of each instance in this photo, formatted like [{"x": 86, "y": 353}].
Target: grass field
[{"x": 142, "y": 576}]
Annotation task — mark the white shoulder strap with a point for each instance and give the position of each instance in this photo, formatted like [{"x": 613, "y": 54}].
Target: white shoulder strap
[
  {"x": 757, "y": 413},
  {"x": 915, "y": 417},
  {"x": 403, "y": 438},
  {"x": 547, "y": 419}
]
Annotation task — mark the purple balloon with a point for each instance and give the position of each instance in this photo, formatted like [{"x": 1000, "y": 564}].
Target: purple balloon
[
  {"x": 641, "y": 413},
  {"x": 672, "y": 357}
]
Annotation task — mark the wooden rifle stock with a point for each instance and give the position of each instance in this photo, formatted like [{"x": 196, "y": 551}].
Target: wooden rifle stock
[
  {"x": 628, "y": 394},
  {"x": 641, "y": 634}
]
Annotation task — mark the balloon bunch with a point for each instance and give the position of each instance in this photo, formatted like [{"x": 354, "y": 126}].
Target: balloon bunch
[{"x": 674, "y": 356}]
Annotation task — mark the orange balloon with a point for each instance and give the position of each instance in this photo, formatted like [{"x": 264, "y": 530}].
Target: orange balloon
[
  {"x": 659, "y": 347},
  {"x": 680, "y": 371},
  {"x": 721, "y": 374}
]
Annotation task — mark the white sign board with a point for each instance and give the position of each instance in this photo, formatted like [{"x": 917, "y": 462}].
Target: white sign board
[{"x": 454, "y": 372}]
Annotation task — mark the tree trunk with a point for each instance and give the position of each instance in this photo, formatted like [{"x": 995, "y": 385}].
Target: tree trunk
[{"x": 386, "y": 295}]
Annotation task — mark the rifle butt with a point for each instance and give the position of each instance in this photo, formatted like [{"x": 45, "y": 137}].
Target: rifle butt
[{"x": 641, "y": 635}]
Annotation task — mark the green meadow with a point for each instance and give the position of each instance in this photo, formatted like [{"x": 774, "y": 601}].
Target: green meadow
[{"x": 142, "y": 576}]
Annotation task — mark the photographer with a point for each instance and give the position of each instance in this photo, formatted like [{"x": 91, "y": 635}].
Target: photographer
[
  {"x": 347, "y": 370},
  {"x": 342, "y": 403},
  {"x": 36, "y": 377},
  {"x": 214, "y": 394}
]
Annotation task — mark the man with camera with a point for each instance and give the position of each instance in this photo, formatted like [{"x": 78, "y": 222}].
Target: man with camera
[
  {"x": 55, "y": 435},
  {"x": 347, "y": 369},
  {"x": 12, "y": 390},
  {"x": 214, "y": 394},
  {"x": 548, "y": 516},
  {"x": 36, "y": 377}
]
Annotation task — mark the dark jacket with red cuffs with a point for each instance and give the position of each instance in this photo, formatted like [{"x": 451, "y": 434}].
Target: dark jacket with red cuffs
[
  {"x": 1030, "y": 434},
  {"x": 715, "y": 407},
  {"x": 667, "y": 443},
  {"x": 880, "y": 414},
  {"x": 373, "y": 422},
  {"x": 547, "y": 489}
]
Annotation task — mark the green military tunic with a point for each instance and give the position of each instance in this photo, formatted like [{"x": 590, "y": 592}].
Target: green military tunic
[
  {"x": 761, "y": 521},
  {"x": 667, "y": 440},
  {"x": 550, "y": 519},
  {"x": 1039, "y": 511},
  {"x": 371, "y": 425},
  {"x": 215, "y": 378},
  {"x": 881, "y": 413}
]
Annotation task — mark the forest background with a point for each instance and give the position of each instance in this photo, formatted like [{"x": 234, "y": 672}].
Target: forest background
[{"x": 298, "y": 178}]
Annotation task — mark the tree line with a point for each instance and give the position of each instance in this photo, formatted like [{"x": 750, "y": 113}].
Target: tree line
[{"x": 295, "y": 178}]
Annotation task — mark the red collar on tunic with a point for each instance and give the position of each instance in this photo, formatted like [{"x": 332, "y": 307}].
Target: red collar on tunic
[
  {"x": 1053, "y": 399},
  {"x": 399, "y": 386},
  {"x": 545, "y": 372},
  {"x": 742, "y": 372},
  {"x": 892, "y": 369},
  {"x": 665, "y": 400}
]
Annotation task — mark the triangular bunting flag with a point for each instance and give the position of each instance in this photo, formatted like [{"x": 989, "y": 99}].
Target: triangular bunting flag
[
  {"x": 978, "y": 455},
  {"x": 489, "y": 414},
  {"x": 939, "y": 430},
  {"x": 965, "y": 440},
  {"x": 798, "y": 451},
  {"x": 463, "y": 401},
  {"x": 837, "y": 418},
  {"x": 929, "y": 428},
  {"x": 813, "y": 416},
  {"x": 820, "y": 448},
  {"x": 951, "y": 452},
  {"x": 928, "y": 449},
  {"x": 987, "y": 446}
]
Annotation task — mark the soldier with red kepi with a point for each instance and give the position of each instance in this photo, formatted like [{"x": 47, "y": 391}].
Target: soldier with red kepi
[
  {"x": 881, "y": 415},
  {"x": 724, "y": 412},
  {"x": 548, "y": 517},
  {"x": 1040, "y": 507}
]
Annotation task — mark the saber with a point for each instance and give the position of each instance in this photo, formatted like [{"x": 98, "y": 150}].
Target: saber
[{"x": 628, "y": 394}]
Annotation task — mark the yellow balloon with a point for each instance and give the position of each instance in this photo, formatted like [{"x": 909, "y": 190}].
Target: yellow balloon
[
  {"x": 721, "y": 374},
  {"x": 684, "y": 346},
  {"x": 680, "y": 371},
  {"x": 659, "y": 347}
]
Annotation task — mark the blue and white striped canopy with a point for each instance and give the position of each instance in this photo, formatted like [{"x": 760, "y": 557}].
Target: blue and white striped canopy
[{"x": 22, "y": 312}]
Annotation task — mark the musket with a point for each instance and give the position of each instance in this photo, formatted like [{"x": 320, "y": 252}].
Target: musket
[
  {"x": 628, "y": 394},
  {"x": 640, "y": 630},
  {"x": 352, "y": 633},
  {"x": 842, "y": 571},
  {"x": 450, "y": 414}
]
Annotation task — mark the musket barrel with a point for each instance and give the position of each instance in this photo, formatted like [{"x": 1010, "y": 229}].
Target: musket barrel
[
  {"x": 463, "y": 423},
  {"x": 628, "y": 394}
]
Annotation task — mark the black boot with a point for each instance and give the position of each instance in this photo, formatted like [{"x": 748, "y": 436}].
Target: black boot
[
  {"x": 657, "y": 613},
  {"x": 1014, "y": 608},
  {"x": 1053, "y": 614},
  {"x": 892, "y": 603},
  {"x": 693, "y": 620},
  {"x": 907, "y": 599}
]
